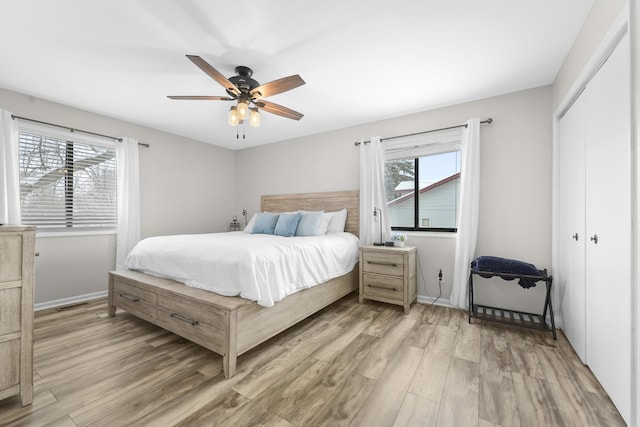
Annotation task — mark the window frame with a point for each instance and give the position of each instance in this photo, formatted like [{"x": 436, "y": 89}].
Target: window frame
[
  {"x": 419, "y": 145},
  {"x": 70, "y": 138},
  {"x": 416, "y": 204}
]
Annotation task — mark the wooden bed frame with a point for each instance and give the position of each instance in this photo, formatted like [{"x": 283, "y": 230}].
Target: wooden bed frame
[{"x": 231, "y": 326}]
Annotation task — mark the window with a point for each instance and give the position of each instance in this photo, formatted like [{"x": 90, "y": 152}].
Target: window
[
  {"x": 428, "y": 167},
  {"x": 67, "y": 182}
]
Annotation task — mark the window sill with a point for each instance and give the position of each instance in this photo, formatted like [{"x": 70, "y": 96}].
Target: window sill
[
  {"x": 46, "y": 234},
  {"x": 430, "y": 234}
]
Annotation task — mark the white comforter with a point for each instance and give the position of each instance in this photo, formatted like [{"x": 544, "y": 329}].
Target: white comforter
[{"x": 258, "y": 267}]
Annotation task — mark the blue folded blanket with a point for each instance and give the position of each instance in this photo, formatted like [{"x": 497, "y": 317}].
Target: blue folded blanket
[{"x": 496, "y": 265}]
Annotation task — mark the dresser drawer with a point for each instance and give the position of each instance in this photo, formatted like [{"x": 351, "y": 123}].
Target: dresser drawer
[
  {"x": 10, "y": 257},
  {"x": 135, "y": 300},
  {"x": 10, "y": 366},
  {"x": 383, "y": 263},
  {"x": 17, "y": 247},
  {"x": 383, "y": 287},
  {"x": 192, "y": 321},
  {"x": 10, "y": 306}
]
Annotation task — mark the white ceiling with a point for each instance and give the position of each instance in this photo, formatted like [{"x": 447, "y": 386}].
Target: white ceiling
[{"x": 362, "y": 60}]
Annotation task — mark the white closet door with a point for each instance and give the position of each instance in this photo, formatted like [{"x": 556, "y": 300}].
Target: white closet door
[
  {"x": 571, "y": 225},
  {"x": 608, "y": 216}
]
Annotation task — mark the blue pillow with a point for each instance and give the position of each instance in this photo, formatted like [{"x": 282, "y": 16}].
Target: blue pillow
[
  {"x": 287, "y": 224},
  {"x": 265, "y": 223},
  {"x": 309, "y": 223}
]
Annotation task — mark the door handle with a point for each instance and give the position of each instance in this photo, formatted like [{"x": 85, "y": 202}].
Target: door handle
[
  {"x": 575, "y": 237},
  {"x": 594, "y": 239}
]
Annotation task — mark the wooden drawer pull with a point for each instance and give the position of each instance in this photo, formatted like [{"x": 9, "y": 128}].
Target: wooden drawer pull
[
  {"x": 390, "y": 264},
  {"x": 129, "y": 296},
  {"x": 383, "y": 287},
  {"x": 184, "y": 319}
]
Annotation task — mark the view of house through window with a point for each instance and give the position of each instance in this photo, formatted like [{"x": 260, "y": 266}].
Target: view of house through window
[
  {"x": 66, "y": 185},
  {"x": 436, "y": 181}
]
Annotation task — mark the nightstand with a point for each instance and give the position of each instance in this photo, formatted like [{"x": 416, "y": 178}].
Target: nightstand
[{"x": 388, "y": 274}]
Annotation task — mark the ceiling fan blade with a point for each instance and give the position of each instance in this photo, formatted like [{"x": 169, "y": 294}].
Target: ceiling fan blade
[
  {"x": 277, "y": 86},
  {"x": 279, "y": 110},
  {"x": 214, "y": 74},
  {"x": 202, "y": 98}
]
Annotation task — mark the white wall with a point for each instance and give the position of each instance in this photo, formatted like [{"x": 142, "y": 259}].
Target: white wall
[
  {"x": 188, "y": 186},
  {"x": 515, "y": 217},
  {"x": 185, "y": 187}
]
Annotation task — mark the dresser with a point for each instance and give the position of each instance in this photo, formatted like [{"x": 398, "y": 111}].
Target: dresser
[
  {"x": 388, "y": 274},
  {"x": 17, "y": 247}
]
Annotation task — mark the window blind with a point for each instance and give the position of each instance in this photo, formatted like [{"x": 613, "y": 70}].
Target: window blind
[
  {"x": 67, "y": 184},
  {"x": 409, "y": 147}
]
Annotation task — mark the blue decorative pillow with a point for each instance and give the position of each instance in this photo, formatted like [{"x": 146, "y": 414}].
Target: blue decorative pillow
[
  {"x": 265, "y": 223},
  {"x": 287, "y": 224},
  {"x": 309, "y": 223}
]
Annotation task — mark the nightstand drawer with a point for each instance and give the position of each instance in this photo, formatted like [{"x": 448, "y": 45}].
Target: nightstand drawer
[
  {"x": 385, "y": 287},
  {"x": 383, "y": 263}
]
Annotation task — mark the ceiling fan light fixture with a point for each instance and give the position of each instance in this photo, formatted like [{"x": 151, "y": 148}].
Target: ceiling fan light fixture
[
  {"x": 234, "y": 117},
  {"x": 254, "y": 118},
  {"x": 243, "y": 108}
]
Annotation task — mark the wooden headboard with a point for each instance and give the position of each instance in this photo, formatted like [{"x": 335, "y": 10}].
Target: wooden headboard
[{"x": 329, "y": 201}]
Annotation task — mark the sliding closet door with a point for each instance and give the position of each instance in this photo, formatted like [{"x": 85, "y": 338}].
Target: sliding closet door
[
  {"x": 594, "y": 226},
  {"x": 571, "y": 225},
  {"x": 608, "y": 225}
]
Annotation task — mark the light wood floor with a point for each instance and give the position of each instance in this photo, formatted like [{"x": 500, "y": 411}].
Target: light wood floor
[{"x": 350, "y": 364}]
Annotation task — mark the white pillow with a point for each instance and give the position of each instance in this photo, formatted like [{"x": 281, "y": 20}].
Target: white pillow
[
  {"x": 337, "y": 221},
  {"x": 324, "y": 223},
  {"x": 252, "y": 221}
]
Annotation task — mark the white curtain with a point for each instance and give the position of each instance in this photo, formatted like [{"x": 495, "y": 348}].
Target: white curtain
[
  {"x": 128, "y": 199},
  {"x": 372, "y": 194},
  {"x": 467, "y": 213},
  {"x": 9, "y": 170}
]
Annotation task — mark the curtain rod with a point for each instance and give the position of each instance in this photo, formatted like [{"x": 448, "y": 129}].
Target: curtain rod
[
  {"x": 74, "y": 130},
  {"x": 489, "y": 120}
]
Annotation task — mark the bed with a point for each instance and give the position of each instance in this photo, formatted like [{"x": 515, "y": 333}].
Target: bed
[{"x": 230, "y": 325}]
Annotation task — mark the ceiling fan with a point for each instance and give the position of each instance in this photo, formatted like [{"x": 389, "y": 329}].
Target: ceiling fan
[{"x": 249, "y": 93}]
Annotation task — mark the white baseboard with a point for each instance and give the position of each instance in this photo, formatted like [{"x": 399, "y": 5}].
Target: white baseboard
[
  {"x": 439, "y": 301},
  {"x": 69, "y": 301}
]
